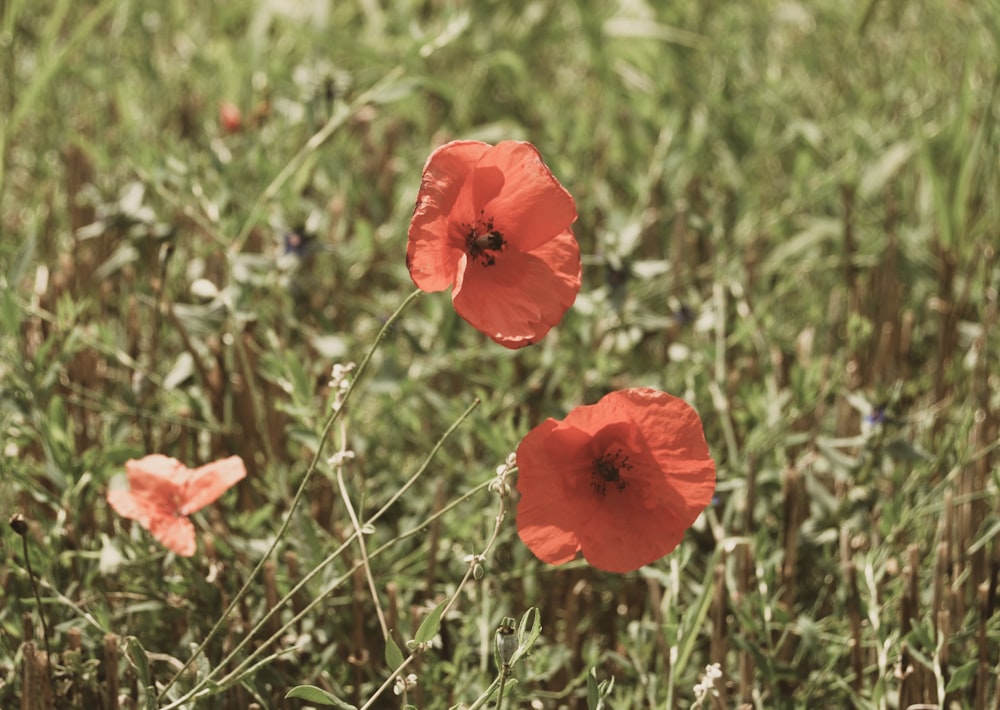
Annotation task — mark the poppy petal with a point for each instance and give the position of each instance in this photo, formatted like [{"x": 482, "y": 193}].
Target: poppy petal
[
  {"x": 154, "y": 488},
  {"x": 674, "y": 435},
  {"x": 518, "y": 299},
  {"x": 512, "y": 183},
  {"x": 610, "y": 546},
  {"x": 206, "y": 483},
  {"x": 549, "y": 532},
  {"x": 152, "y": 472},
  {"x": 175, "y": 533},
  {"x": 128, "y": 505},
  {"x": 432, "y": 250}
]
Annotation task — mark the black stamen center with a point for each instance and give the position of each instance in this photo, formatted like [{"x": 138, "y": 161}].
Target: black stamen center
[
  {"x": 483, "y": 241},
  {"x": 607, "y": 469}
]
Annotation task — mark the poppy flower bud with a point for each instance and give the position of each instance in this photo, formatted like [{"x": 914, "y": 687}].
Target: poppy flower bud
[
  {"x": 18, "y": 524},
  {"x": 506, "y": 641}
]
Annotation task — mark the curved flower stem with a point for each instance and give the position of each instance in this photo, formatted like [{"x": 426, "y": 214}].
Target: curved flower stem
[
  {"x": 389, "y": 681},
  {"x": 501, "y": 513},
  {"x": 331, "y": 420},
  {"x": 362, "y": 548},
  {"x": 238, "y": 672}
]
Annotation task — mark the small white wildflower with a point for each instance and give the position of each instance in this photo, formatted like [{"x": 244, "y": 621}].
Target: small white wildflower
[
  {"x": 339, "y": 372},
  {"x": 499, "y": 485},
  {"x": 474, "y": 559},
  {"x": 340, "y": 457},
  {"x": 339, "y": 383},
  {"x": 405, "y": 684},
  {"x": 707, "y": 685}
]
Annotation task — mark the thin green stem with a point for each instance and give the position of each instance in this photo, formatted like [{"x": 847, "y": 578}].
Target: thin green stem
[
  {"x": 501, "y": 513},
  {"x": 362, "y": 547},
  {"x": 504, "y": 674},
  {"x": 238, "y": 673},
  {"x": 336, "y": 553},
  {"x": 331, "y": 420},
  {"x": 487, "y": 694},
  {"x": 41, "y": 611},
  {"x": 235, "y": 673},
  {"x": 388, "y": 682}
]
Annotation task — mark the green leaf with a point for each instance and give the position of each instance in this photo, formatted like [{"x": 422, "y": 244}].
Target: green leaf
[
  {"x": 526, "y": 636},
  {"x": 597, "y": 692},
  {"x": 991, "y": 533},
  {"x": 592, "y": 696},
  {"x": 393, "y": 656},
  {"x": 182, "y": 370},
  {"x": 429, "y": 626},
  {"x": 139, "y": 660},
  {"x": 962, "y": 676},
  {"x": 694, "y": 618},
  {"x": 885, "y": 168},
  {"x": 312, "y": 694}
]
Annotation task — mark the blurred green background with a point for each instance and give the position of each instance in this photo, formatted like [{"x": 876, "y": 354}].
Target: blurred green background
[{"x": 788, "y": 216}]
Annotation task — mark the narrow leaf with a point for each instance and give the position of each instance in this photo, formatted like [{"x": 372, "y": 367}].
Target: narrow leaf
[
  {"x": 139, "y": 660},
  {"x": 312, "y": 694},
  {"x": 429, "y": 626},
  {"x": 885, "y": 168},
  {"x": 592, "y": 696},
  {"x": 991, "y": 533},
  {"x": 962, "y": 676},
  {"x": 526, "y": 636},
  {"x": 393, "y": 656}
]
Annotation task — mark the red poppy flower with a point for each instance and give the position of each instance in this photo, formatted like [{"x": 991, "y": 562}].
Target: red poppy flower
[
  {"x": 230, "y": 117},
  {"x": 493, "y": 224},
  {"x": 164, "y": 492},
  {"x": 620, "y": 480}
]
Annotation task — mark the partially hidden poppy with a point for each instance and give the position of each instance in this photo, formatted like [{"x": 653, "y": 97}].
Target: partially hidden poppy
[
  {"x": 492, "y": 223},
  {"x": 620, "y": 480},
  {"x": 163, "y": 492}
]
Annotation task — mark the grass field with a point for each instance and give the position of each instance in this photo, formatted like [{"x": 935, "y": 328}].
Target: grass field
[{"x": 787, "y": 214}]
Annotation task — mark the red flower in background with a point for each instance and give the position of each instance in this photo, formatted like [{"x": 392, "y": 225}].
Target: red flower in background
[
  {"x": 163, "y": 492},
  {"x": 493, "y": 224},
  {"x": 230, "y": 117},
  {"x": 620, "y": 480}
]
